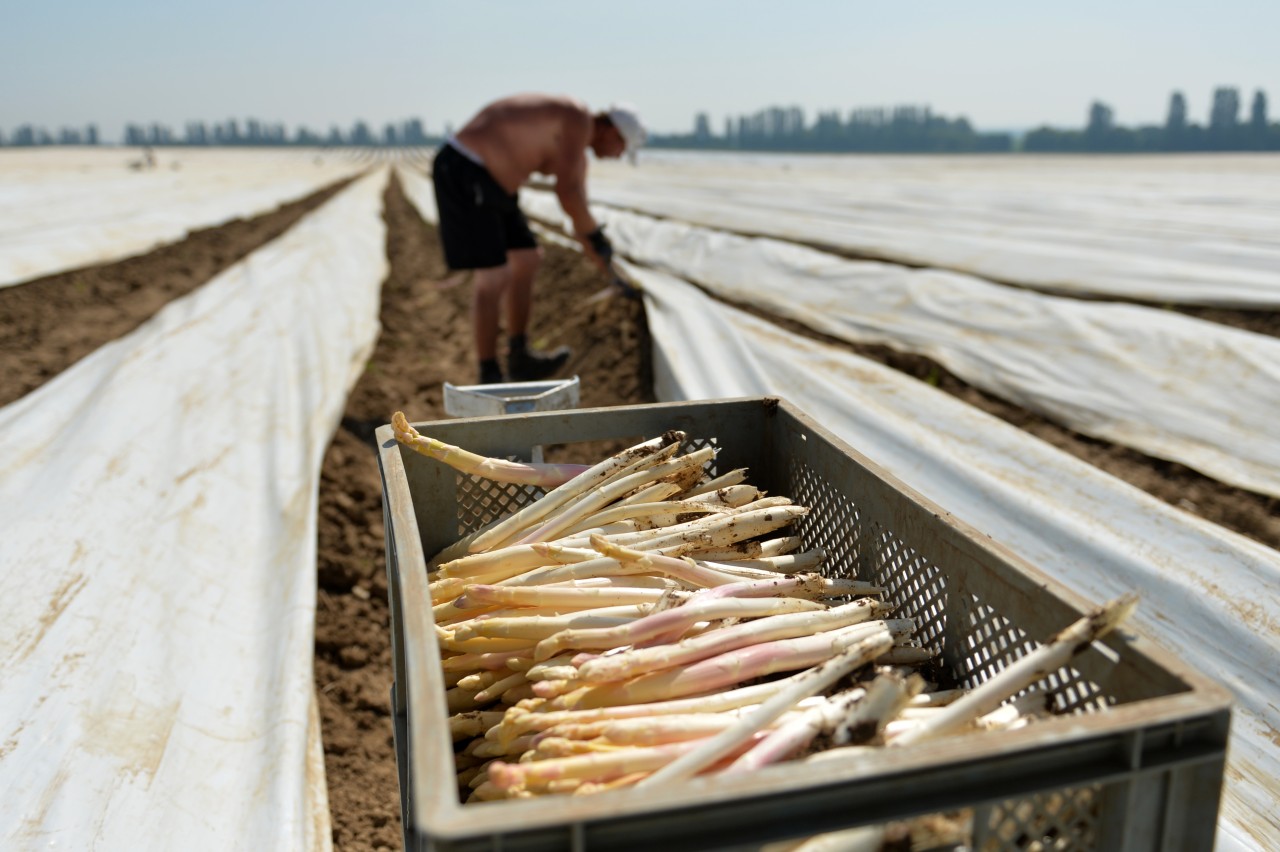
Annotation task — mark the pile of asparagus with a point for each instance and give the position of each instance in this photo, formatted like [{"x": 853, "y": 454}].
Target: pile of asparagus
[{"x": 630, "y": 627}]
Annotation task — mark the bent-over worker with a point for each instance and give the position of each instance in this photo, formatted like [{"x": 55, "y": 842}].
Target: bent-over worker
[{"x": 477, "y": 174}]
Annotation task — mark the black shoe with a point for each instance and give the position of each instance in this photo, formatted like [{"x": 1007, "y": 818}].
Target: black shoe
[
  {"x": 491, "y": 373},
  {"x": 526, "y": 366}
]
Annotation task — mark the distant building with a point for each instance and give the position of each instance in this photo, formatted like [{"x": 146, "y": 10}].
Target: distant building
[
  {"x": 1177, "y": 120},
  {"x": 413, "y": 133},
  {"x": 360, "y": 134},
  {"x": 159, "y": 134},
  {"x": 701, "y": 127},
  {"x": 1258, "y": 112},
  {"x": 1226, "y": 108}
]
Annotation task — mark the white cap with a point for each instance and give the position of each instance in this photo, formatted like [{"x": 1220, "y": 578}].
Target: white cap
[{"x": 628, "y": 123}]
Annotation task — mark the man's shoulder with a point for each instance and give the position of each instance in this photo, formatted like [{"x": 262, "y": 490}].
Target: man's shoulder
[{"x": 571, "y": 108}]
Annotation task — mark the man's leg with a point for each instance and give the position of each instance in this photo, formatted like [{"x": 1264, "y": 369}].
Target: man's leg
[
  {"x": 488, "y": 285},
  {"x": 524, "y": 365},
  {"x": 523, "y": 264}
]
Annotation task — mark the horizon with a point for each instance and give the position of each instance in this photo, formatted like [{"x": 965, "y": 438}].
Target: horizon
[
  {"x": 179, "y": 135},
  {"x": 1008, "y": 69}
]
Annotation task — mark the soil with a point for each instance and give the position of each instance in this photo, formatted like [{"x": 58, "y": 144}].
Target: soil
[{"x": 47, "y": 325}]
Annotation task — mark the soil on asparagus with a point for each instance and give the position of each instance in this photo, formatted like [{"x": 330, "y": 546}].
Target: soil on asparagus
[{"x": 46, "y": 325}]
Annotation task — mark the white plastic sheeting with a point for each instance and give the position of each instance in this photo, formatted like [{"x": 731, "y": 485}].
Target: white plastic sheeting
[
  {"x": 1168, "y": 229},
  {"x": 158, "y": 559},
  {"x": 422, "y": 194},
  {"x": 63, "y": 209},
  {"x": 1194, "y": 392},
  {"x": 1207, "y": 594}
]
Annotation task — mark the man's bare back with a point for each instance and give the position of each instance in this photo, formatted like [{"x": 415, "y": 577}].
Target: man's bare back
[
  {"x": 524, "y": 134},
  {"x": 482, "y": 228}
]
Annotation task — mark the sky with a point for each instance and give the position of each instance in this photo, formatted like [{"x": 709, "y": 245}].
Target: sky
[{"x": 1003, "y": 65}]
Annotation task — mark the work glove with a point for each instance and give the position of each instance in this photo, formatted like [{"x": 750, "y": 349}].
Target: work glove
[{"x": 600, "y": 245}]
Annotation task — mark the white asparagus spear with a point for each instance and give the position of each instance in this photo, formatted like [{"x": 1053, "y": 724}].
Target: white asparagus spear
[
  {"x": 552, "y": 596},
  {"x": 587, "y": 480},
  {"x": 476, "y": 662},
  {"x": 737, "y": 551},
  {"x": 731, "y": 740},
  {"x": 498, "y": 688},
  {"x": 1024, "y": 671},
  {"x": 473, "y": 723},
  {"x": 519, "y": 720},
  {"x": 672, "y": 621},
  {"x": 601, "y": 765},
  {"x": 598, "y": 497},
  {"x": 608, "y": 566},
  {"x": 1009, "y": 716},
  {"x": 885, "y": 698},
  {"x": 726, "y": 529},
  {"x": 499, "y": 470},
  {"x": 789, "y": 563},
  {"x": 655, "y": 730},
  {"x": 796, "y": 733},
  {"x": 536, "y": 627},
  {"x": 563, "y": 671},
  {"x": 651, "y": 493},
  {"x": 819, "y": 587},
  {"x": 737, "y": 476},
  {"x": 684, "y": 569},
  {"x": 655, "y": 514},
  {"x": 481, "y": 566},
  {"x": 703, "y": 521},
  {"x": 630, "y": 663},
  {"x": 628, "y": 581},
  {"x": 733, "y": 667},
  {"x": 449, "y": 612},
  {"x": 479, "y": 680}
]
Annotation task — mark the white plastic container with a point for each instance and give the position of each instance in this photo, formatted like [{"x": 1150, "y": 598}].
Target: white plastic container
[{"x": 510, "y": 398}]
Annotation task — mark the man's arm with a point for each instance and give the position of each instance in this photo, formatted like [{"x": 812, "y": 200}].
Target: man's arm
[{"x": 571, "y": 185}]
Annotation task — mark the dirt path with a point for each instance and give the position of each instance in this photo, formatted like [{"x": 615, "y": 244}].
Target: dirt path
[{"x": 425, "y": 341}]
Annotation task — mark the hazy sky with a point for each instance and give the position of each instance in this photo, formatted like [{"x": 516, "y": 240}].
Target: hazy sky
[{"x": 323, "y": 62}]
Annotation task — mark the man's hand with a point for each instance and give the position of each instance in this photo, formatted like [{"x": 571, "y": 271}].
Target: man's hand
[{"x": 601, "y": 246}]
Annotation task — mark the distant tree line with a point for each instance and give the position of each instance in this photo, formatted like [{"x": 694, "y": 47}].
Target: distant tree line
[
  {"x": 28, "y": 134},
  {"x": 906, "y": 129},
  {"x": 899, "y": 129},
  {"x": 231, "y": 133},
  {"x": 876, "y": 129},
  {"x": 1225, "y": 130}
]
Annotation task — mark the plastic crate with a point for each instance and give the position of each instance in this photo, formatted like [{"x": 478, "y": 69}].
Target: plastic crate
[
  {"x": 510, "y": 398},
  {"x": 1144, "y": 774}
]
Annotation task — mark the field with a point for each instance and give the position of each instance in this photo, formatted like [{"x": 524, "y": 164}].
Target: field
[{"x": 50, "y": 323}]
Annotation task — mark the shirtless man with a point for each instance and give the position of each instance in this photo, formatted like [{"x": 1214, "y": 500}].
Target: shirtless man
[{"x": 478, "y": 173}]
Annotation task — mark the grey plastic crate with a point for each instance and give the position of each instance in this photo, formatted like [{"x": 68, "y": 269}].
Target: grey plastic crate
[{"x": 1146, "y": 774}]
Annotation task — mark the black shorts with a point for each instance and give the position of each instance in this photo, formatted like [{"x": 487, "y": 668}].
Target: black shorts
[{"x": 479, "y": 220}]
